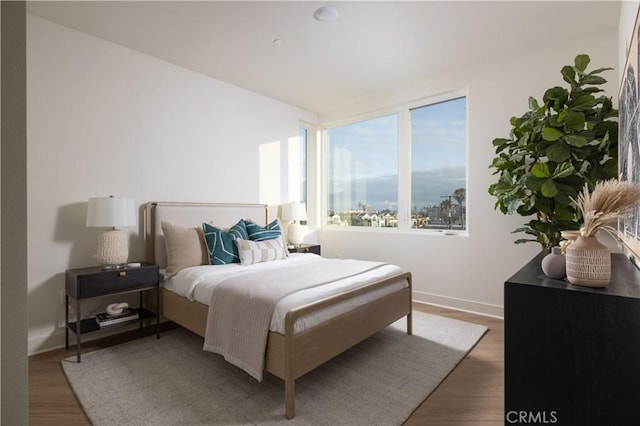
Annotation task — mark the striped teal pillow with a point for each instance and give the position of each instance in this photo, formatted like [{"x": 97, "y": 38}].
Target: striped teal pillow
[
  {"x": 221, "y": 245},
  {"x": 259, "y": 233},
  {"x": 239, "y": 230}
]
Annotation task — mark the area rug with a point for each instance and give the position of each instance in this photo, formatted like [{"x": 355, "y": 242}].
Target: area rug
[{"x": 171, "y": 381}]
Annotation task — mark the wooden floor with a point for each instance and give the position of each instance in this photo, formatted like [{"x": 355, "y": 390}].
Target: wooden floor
[{"x": 471, "y": 395}]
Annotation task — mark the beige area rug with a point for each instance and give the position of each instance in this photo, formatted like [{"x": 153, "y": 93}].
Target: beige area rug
[{"x": 171, "y": 381}]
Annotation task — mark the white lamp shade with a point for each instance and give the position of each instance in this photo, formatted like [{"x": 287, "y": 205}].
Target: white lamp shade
[
  {"x": 106, "y": 212},
  {"x": 111, "y": 212},
  {"x": 294, "y": 211}
]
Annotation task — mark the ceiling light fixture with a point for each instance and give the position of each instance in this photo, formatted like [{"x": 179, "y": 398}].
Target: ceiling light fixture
[{"x": 326, "y": 14}]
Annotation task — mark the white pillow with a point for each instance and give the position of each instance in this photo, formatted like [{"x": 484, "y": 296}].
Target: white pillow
[{"x": 261, "y": 251}]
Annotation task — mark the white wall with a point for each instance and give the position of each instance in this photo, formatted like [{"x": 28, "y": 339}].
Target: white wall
[
  {"x": 468, "y": 273},
  {"x": 106, "y": 120}
]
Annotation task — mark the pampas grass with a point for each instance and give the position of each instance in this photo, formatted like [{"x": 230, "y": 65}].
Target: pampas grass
[{"x": 609, "y": 200}]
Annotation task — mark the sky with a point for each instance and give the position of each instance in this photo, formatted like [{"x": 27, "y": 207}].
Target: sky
[{"x": 366, "y": 155}]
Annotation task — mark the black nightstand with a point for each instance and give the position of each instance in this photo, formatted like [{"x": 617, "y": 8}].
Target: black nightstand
[
  {"x": 305, "y": 248},
  {"x": 89, "y": 283}
]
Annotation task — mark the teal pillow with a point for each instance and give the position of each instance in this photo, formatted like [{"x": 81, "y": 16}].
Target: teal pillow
[
  {"x": 221, "y": 245},
  {"x": 259, "y": 233},
  {"x": 239, "y": 230}
]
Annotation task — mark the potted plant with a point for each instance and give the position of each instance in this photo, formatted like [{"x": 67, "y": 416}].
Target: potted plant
[{"x": 554, "y": 150}]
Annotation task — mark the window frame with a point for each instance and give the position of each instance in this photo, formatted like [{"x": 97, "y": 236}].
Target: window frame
[
  {"x": 313, "y": 175},
  {"x": 403, "y": 112}
]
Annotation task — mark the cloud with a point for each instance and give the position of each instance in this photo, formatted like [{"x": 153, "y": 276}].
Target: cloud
[{"x": 428, "y": 189}]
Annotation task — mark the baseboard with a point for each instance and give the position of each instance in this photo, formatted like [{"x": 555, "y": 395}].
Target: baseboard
[
  {"x": 480, "y": 308},
  {"x": 55, "y": 340}
]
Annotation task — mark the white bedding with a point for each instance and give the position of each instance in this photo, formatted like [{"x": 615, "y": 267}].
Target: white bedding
[{"x": 197, "y": 283}]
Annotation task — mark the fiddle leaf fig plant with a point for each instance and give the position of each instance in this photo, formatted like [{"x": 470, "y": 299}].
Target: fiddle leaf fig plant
[{"x": 553, "y": 150}]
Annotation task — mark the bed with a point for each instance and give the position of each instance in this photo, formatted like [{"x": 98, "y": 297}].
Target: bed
[{"x": 290, "y": 352}]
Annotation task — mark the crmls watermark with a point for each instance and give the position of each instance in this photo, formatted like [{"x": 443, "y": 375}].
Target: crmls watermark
[{"x": 532, "y": 417}]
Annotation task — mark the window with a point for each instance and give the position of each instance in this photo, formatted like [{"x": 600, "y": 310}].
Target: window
[
  {"x": 438, "y": 165},
  {"x": 302, "y": 162},
  {"x": 362, "y": 165},
  {"x": 367, "y": 185}
]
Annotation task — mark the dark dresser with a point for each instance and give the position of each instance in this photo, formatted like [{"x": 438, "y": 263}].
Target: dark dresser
[{"x": 572, "y": 354}]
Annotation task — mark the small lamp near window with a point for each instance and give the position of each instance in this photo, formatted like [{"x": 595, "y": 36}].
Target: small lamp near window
[
  {"x": 294, "y": 213},
  {"x": 111, "y": 212}
]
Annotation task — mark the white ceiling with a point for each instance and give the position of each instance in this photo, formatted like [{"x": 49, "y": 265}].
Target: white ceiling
[{"x": 373, "y": 48}]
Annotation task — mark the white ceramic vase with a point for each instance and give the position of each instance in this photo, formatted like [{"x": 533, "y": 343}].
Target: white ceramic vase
[{"x": 588, "y": 262}]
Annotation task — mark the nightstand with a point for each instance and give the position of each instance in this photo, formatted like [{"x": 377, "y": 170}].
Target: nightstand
[
  {"x": 305, "y": 248},
  {"x": 89, "y": 283}
]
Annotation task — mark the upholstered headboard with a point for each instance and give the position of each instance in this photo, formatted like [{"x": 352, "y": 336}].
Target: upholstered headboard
[{"x": 192, "y": 215}]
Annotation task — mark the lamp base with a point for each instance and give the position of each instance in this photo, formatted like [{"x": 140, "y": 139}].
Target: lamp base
[
  {"x": 295, "y": 233},
  {"x": 113, "y": 248}
]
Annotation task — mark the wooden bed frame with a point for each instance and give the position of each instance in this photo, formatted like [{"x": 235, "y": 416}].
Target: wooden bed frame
[{"x": 291, "y": 355}]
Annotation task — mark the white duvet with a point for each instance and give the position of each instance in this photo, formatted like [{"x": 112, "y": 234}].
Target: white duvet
[{"x": 197, "y": 283}]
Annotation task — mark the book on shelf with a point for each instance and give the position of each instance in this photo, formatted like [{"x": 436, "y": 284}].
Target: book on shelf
[{"x": 128, "y": 314}]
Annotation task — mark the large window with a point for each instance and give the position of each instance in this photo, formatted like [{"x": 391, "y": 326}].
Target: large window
[
  {"x": 438, "y": 165},
  {"x": 406, "y": 169},
  {"x": 362, "y": 162}
]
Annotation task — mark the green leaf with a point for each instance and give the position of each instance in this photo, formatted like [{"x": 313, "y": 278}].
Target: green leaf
[
  {"x": 605, "y": 141},
  {"x": 574, "y": 122},
  {"x": 533, "y": 104},
  {"x": 582, "y": 102},
  {"x": 565, "y": 215},
  {"x": 500, "y": 141},
  {"x": 554, "y": 121},
  {"x": 592, "y": 79},
  {"x": 549, "y": 188},
  {"x": 558, "y": 152},
  {"x": 568, "y": 74},
  {"x": 582, "y": 61},
  {"x": 555, "y": 93},
  {"x": 524, "y": 240},
  {"x": 540, "y": 170},
  {"x": 533, "y": 183},
  {"x": 563, "y": 115},
  {"x": 577, "y": 141},
  {"x": 610, "y": 168},
  {"x": 498, "y": 163},
  {"x": 591, "y": 90},
  {"x": 550, "y": 134},
  {"x": 523, "y": 140},
  {"x": 599, "y": 70},
  {"x": 563, "y": 170},
  {"x": 512, "y": 204}
]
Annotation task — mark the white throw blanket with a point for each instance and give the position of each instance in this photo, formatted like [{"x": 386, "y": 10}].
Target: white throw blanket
[{"x": 241, "y": 307}]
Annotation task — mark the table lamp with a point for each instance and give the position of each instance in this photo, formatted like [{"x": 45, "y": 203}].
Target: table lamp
[
  {"x": 294, "y": 213},
  {"x": 111, "y": 212}
]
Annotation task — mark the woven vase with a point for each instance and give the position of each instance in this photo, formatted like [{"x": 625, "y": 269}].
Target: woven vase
[{"x": 588, "y": 262}]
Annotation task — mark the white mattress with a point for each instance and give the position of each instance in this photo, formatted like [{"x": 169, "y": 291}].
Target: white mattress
[{"x": 197, "y": 283}]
